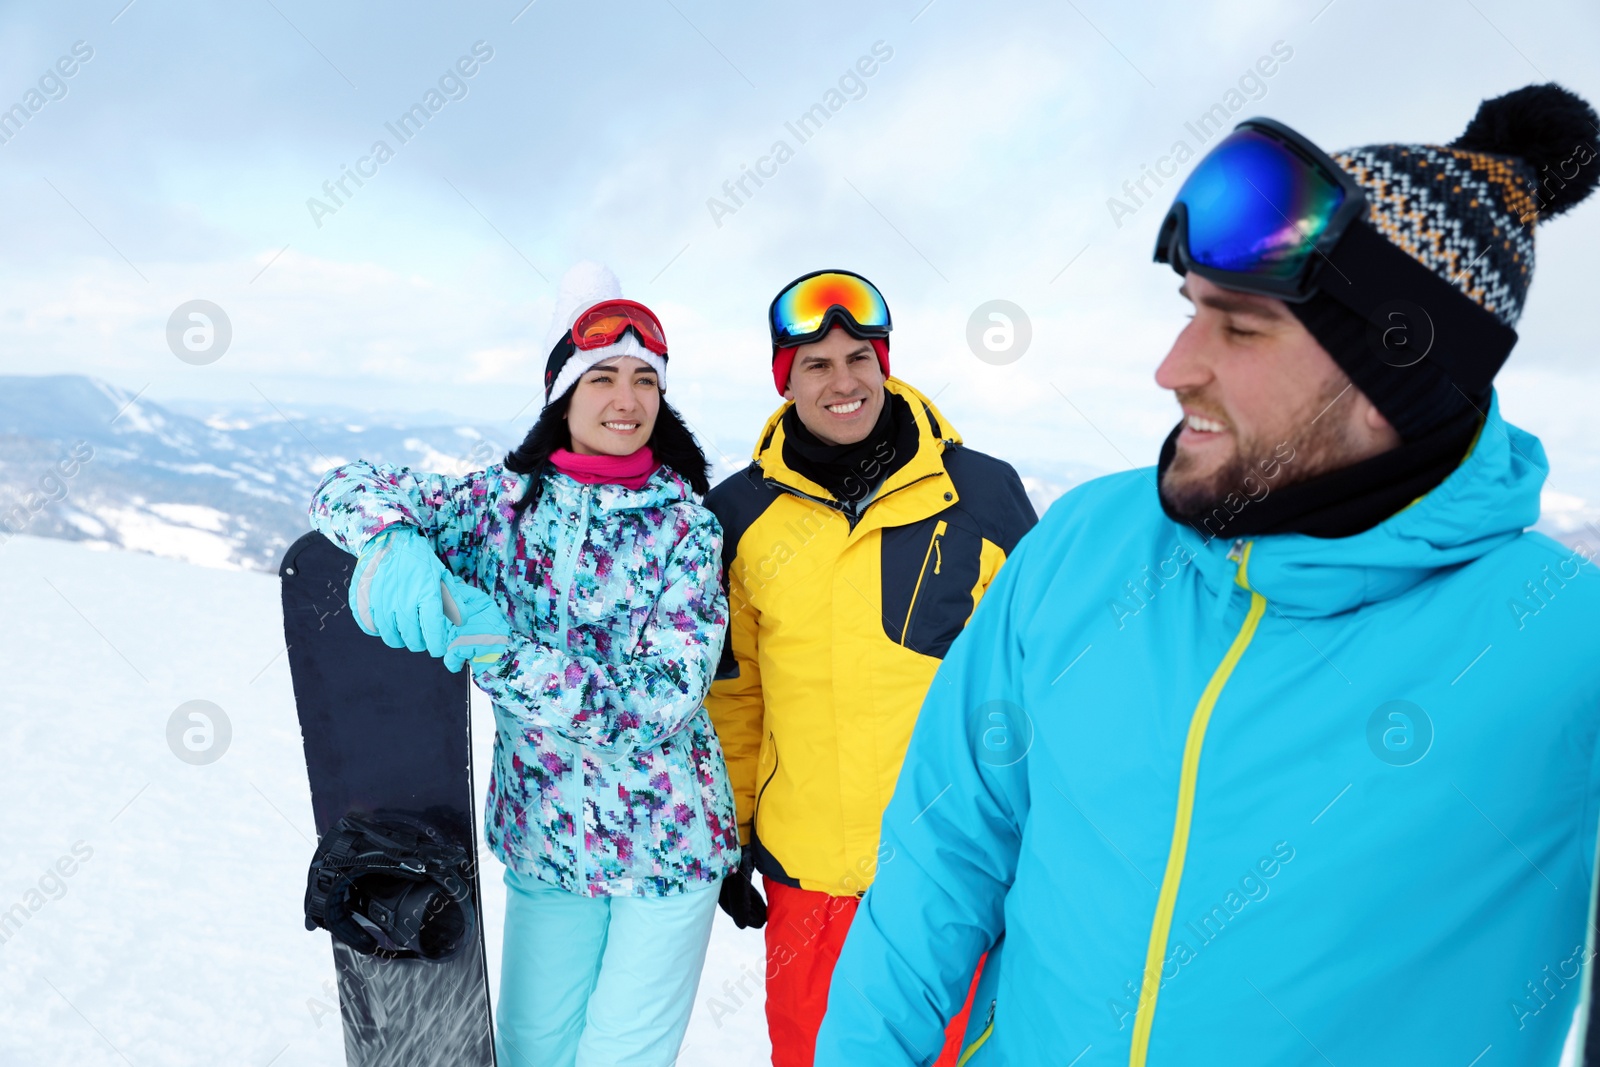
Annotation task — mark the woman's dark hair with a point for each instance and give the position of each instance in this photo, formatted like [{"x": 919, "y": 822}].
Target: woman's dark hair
[{"x": 671, "y": 442}]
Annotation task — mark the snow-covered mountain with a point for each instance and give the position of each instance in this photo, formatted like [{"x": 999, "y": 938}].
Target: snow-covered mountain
[{"x": 84, "y": 460}]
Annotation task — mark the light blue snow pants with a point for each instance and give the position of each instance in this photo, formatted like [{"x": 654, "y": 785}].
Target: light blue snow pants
[{"x": 598, "y": 981}]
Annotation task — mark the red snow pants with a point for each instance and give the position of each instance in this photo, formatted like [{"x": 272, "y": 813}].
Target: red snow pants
[{"x": 805, "y": 933}]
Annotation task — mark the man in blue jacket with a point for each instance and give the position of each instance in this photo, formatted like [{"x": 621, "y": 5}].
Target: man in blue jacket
[{"x": 1283, "y": 752}]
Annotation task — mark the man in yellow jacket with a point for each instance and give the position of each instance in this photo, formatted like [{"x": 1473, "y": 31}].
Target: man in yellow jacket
[{"x": 855, "y": 547}]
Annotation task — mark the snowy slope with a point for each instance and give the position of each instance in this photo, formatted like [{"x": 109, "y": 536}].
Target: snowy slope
[{"x": 178, "y": 940}]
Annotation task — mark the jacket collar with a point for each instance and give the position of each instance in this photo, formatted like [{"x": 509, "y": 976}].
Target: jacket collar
[
  {"x": 1486, "y": 502},
  {"x": 912, "y": 493},
  {"x": 664, "y": 488}
]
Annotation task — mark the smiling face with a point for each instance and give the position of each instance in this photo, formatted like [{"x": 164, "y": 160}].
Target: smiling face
[
  {"x": 1255, "y": 387},
  {"x": 613, "y": 407},
  {"x": 837, "y": 387}
]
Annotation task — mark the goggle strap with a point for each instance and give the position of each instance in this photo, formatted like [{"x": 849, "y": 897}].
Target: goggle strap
[
  {"x": 566, "y": 348},
  {"x": 559, "y": 354},
  {"x": 836, "y": 309},
  {"x": 835, "y": 316},
  {"x": 1365, "y": 272}
]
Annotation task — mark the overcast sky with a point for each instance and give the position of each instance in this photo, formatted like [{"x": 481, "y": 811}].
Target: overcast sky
[{"x": 974, "y": 162}]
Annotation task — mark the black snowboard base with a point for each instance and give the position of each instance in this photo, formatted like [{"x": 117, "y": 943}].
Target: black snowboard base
[{"x": 387, "y": 730}]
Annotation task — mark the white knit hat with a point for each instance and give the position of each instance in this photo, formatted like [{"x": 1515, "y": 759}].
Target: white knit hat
[{"x": 585, "y": 285}]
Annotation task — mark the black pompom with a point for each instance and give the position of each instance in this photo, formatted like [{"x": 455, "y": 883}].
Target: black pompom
[{"x": 1553, "y": 130}]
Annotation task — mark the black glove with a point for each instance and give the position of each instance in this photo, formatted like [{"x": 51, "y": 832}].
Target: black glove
[{"x": 739, "y": 896}]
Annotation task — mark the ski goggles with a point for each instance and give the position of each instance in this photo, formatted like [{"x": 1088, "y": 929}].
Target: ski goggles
[
  {"x": 808, "y": 307},
  {"x": 607, "y": 321},
  {"x": 1260, "y": 213},
  {"x": 1266, "y": 211}
]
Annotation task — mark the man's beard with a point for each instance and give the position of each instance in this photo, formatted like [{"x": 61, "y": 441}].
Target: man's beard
[{"x": 1314, "y": 443}]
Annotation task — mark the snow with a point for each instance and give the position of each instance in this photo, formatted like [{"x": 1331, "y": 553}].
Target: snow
[
  {"x": 197, "y": 515},
  {"x": 138, "y": 421},
  {"x": 220, "y": 422},
  {"x": 179, "y": 941},
  {"x": 1567, "y": 517},
  {"x": 166, "y": 530},
  {"x": 431, "y": 459},
  {"x": 91, "y": 526},
  {"x": 198, "y": 468}
]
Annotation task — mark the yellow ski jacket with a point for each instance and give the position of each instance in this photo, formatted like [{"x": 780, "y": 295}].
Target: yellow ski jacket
[{"x": 835, "y": 631}]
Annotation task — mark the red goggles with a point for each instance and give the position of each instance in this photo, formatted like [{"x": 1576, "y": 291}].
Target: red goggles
[{"x": 607, "y": 321}]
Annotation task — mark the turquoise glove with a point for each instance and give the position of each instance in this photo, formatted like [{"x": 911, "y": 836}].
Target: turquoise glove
[
  {"x": 395, "y": 592},
  {"x": 478, "y": 628}
]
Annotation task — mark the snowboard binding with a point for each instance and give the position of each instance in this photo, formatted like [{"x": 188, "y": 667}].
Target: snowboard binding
[{"x": 389, "y": 885}]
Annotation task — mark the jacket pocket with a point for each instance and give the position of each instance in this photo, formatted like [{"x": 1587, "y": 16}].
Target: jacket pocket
[
  {"x": 685, "y": 754},
  {"x": 539, "y": 805},
  {"x": 935, "y": 556},
  {"x": 765, "y": 779},
  {"x": 715, "y": 790},
  {"x": 574, "y": 798},
  {"x": 768, "y": 864},
  {"x": 929, "y": 569}
]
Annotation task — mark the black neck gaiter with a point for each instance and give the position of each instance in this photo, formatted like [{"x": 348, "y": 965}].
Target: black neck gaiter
[
  {"x": 852, "y": 472},
  {"x": 1337, "y": 503}
]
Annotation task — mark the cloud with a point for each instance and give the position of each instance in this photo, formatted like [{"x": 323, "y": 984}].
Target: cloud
[{"x": 975, "y": 167}]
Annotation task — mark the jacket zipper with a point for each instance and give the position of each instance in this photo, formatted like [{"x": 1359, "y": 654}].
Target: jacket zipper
[
  {"x": 563, "y": 606},
  {"x": 580, "y": 846},
  {"x": 988, "y": 1031},
  {"x": 934, "y": 554},
  {"x": 1167, "y": 900}
]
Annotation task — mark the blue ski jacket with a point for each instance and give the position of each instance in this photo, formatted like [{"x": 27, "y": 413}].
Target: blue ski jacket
[{"x": 1278, "y": 801}]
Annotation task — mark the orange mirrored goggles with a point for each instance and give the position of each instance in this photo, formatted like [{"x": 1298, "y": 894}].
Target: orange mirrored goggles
[
  {"x": 607, "y": 321},
  {"x": 808, "y": 307}
]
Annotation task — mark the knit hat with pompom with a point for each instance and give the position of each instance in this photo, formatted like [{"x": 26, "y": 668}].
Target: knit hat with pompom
[{"x": 1467, "y": 212}]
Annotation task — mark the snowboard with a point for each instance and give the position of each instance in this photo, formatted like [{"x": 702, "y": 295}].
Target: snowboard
[{"x": 387, "y": 731}]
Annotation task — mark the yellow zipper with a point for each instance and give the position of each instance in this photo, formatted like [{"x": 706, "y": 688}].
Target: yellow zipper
[
  {"x": 1167, "y": 901},
  {"x": 933, "y": 545},
  {"x": 973, "y": 1048}
]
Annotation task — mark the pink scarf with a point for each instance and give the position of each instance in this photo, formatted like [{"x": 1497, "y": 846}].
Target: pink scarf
[{"x": 631, "y": 471}]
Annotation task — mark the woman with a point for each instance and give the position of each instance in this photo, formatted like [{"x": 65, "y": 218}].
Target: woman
[{"x": 584, "y": 585}]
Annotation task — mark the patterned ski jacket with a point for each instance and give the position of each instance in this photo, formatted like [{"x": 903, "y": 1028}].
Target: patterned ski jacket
[{"x": 608, "y": 779}]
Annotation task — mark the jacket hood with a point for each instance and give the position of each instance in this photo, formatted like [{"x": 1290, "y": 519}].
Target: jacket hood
[
  {"x": 1486, "y": 502},
  {"x": 934, "y": 435}
]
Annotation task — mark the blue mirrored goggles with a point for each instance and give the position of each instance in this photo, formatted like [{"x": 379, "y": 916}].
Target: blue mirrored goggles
[{"x": 1260, "y": 213}]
